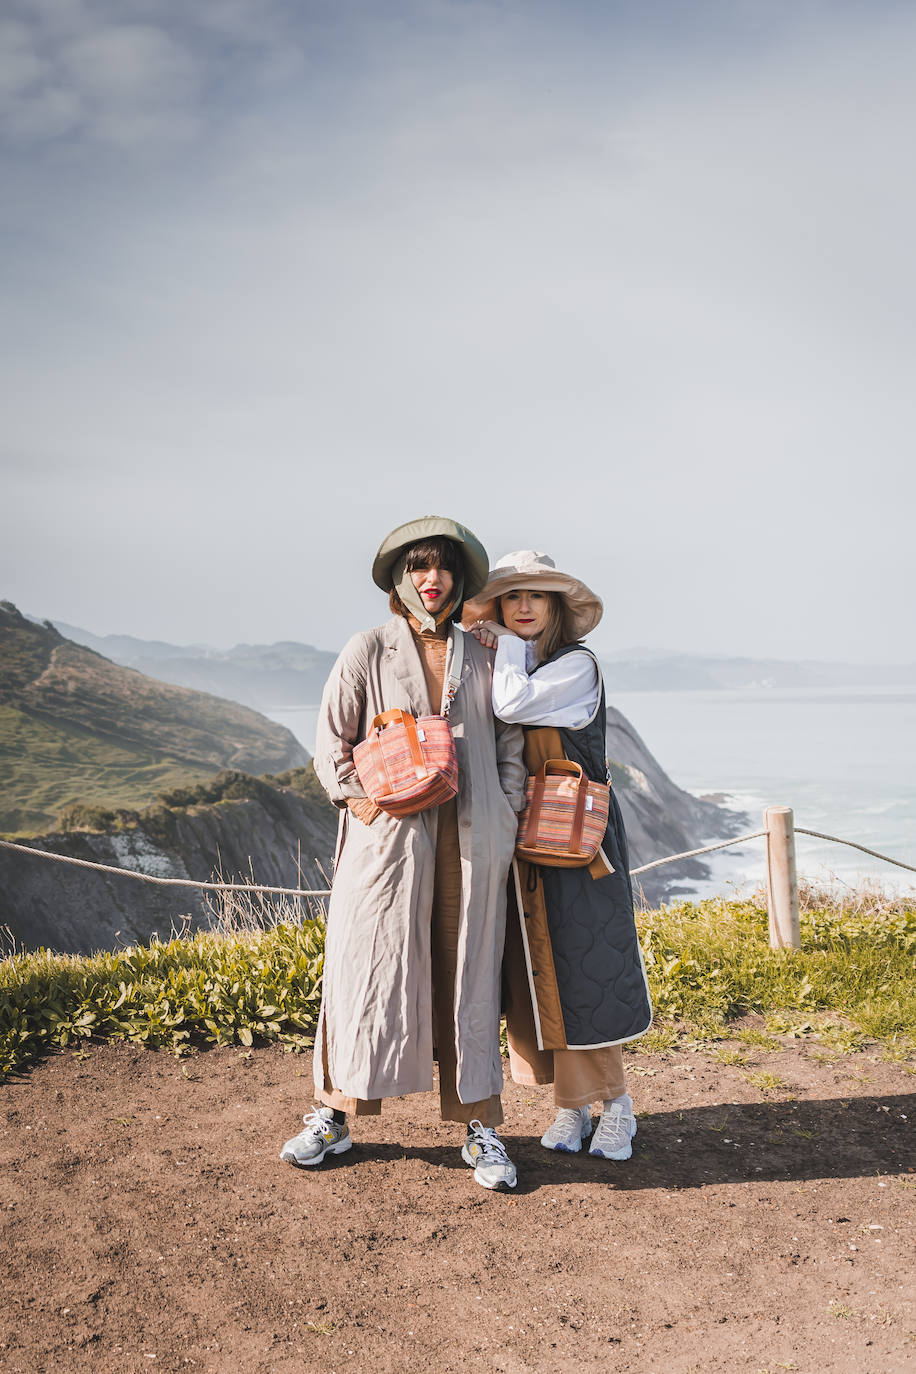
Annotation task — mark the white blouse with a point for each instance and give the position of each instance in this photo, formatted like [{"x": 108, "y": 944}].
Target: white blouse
[{"x": 564, "y": 693}]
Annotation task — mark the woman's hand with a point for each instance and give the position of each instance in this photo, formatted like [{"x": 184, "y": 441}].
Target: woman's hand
[
  {"x": 363, "y": 809},
  {"x": 488, "y": 632}
]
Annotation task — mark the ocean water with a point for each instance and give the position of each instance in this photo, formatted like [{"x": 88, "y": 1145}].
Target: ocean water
[{"x": 844, "y": 759}]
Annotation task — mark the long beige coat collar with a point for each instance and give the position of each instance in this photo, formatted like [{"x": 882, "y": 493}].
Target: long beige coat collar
[{"x": 403, "y": 660}]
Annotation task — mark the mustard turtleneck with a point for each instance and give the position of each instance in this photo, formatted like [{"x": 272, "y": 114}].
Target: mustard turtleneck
[{"x": 432, "y": 646}]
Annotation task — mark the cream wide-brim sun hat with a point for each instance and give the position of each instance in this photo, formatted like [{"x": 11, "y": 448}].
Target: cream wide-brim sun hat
[{"x": 529, "y": 570}]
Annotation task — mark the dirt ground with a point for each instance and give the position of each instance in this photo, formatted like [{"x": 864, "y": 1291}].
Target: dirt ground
[{"x": 148, "y": 1224}]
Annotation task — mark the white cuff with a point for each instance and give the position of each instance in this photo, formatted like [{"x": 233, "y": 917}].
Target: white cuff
[{"x": 514, "y": 653}]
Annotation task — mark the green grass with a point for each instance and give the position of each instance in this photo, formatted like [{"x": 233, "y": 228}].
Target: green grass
[
  {"x": 76, "y": 728},
  {"x": 210, "y": 988},
  {"x": 767, "y": 1082},
  {"x": 709, "y": 965},
  {"x": 47, "y": 765}
]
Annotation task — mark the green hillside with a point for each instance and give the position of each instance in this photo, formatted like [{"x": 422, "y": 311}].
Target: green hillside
[{"x": 75, "y": 727}]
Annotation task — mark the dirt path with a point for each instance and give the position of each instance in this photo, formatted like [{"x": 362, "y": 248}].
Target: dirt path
[{"x": 147, "y": 1224}]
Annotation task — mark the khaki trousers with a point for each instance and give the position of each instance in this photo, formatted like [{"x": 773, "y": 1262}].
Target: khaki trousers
[{"x": 446, "y": 917}]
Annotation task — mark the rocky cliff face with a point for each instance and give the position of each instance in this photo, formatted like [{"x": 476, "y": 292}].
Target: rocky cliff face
[
  {"x": 73, "y": 726},
  {"x": 260, "y": 837},
  {"x": 263, "y": 830}
]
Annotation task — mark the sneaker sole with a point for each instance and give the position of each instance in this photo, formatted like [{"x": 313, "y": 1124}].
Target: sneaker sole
[
  {"x": 618, "y": 1155},
  {"x": 502, "y": 1186},
  {"x": 340, "y": 1148},
  {"x": 567, "y": 1149}
]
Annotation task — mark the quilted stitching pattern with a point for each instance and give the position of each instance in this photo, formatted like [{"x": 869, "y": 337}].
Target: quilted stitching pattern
[{"x": 592, "y": 928}]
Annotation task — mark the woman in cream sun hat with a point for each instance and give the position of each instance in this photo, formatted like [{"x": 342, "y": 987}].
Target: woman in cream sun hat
[
  {"x": 574, "y": 985},
  {"x": 536, "y": 571},
  {"x": 417, "y": 912}
]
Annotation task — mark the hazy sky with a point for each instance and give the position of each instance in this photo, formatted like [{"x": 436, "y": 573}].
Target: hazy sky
[{"x": 629, "y": 282}]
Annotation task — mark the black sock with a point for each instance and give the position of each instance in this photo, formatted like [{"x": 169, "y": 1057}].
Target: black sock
[{"x": 339, "y": 1117}]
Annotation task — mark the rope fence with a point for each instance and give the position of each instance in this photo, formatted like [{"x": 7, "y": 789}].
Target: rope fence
[
  {"x": 691, "y": 853},
  {"x": 781, "y": 878},
  {"x": 165, "y": 882},
  {"x": 799, "y": 830}
]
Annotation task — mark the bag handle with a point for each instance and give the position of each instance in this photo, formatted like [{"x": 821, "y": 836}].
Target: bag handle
[
  {"x": 453, "y": 681},
  {"x": 449, "y": 689},
  {"x": 393, "y": 717},
  {"x": 399, "y": 717},
  {"x": 555, "y": 766}
]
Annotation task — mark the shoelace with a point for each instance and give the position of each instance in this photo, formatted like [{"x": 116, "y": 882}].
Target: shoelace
[
  {"x": 314, "y": 1123},
  {"x": 611, "y": 1123},
  {"x": 567, "y": 1120},
  {"x": 492, "y": 1150}
]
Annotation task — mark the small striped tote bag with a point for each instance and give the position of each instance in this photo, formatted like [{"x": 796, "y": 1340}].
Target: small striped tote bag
[
  {"x": 408, "y": 764},
  {"x": 565, "y": 816}
]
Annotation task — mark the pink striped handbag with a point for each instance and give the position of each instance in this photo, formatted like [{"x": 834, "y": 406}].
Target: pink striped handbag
[
  {"x": 565, "y": 816},
  {"x": 407, "y": 764}
]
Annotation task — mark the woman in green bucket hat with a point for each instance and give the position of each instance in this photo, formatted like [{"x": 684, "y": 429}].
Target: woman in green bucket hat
[{"x": 416, "y": 920}]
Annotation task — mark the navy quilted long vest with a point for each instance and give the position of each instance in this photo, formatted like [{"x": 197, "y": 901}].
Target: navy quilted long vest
[{"x": 600, "y": 974}]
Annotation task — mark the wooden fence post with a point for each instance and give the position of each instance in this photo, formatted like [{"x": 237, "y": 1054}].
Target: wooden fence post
[{"x": 782, "y": 881}]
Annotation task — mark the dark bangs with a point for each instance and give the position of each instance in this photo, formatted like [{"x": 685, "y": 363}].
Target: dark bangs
[{"x": 437, "y": 552}]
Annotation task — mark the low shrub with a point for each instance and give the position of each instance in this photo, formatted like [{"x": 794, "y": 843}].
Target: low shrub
[
  {"x": 258, "y": 977},
  {"x": 711, "y": 961},
  {"x": 209, "y": 988}
]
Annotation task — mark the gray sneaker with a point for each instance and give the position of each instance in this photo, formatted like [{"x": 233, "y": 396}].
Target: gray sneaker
[
  {"x": 322, "y": 1136},
  {"x": 568, "y": 1131},
  {"x": 486, "y": 1154},
  {"x": 615, "y": 1130}
]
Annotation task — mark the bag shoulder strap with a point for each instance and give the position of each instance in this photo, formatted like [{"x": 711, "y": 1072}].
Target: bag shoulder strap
[{"x": 453, "y": 680}]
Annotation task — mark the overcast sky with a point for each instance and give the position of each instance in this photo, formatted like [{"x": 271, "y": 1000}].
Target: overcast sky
[{"x": 632, "y": 283}]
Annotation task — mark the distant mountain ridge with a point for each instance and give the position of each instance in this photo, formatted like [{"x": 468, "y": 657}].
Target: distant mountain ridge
[
  {"x": 657, "y": 670},
  {"x": 264, "y": 676},
  {"x": 78, "y": 728},
  {"x": 289, "y": 673}
]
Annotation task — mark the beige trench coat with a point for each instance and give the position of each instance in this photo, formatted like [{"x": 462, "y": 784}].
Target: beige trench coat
[{"x": 375, "y": 1025}]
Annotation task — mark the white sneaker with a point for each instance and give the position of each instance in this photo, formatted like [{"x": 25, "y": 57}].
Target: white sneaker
[
  {"x": 569, "y": 1130},
  {"x": 322, "y": 1136},
  {"x": 486, "y": 1154},
  {"x": 615, "y": 1130}
]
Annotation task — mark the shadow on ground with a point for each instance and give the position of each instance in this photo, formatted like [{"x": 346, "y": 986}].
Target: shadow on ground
[{"x": 701, "y": 1146}]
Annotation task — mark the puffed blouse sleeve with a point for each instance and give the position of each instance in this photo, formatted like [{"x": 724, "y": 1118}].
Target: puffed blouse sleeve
[{"x": 564, "y": 693}]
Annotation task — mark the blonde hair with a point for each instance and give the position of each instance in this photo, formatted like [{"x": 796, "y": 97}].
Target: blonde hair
[{"x": 558, "y": 630}]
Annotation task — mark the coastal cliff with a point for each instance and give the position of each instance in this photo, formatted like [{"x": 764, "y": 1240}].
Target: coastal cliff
[
  {"x": 103, "y": 763},
  {"x": 278, "y": 832}
]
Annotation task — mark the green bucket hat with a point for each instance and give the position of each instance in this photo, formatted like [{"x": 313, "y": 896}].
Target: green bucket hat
[{"x": 476, "y": 562}]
